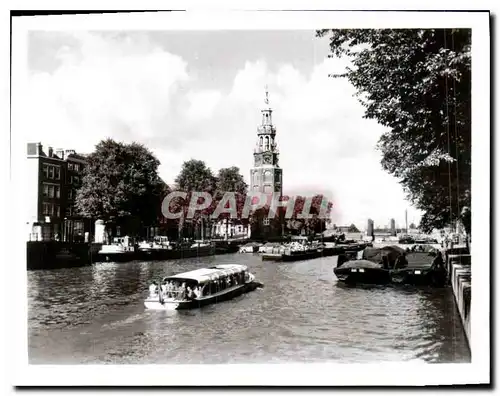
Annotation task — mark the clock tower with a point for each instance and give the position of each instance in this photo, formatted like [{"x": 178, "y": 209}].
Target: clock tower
[{"x": 266, "y": 175}]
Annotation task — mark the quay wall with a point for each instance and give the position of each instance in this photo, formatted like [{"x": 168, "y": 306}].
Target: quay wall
[
  {"x": 458, "y": 262},
  {"x": 56, "y": 254}
]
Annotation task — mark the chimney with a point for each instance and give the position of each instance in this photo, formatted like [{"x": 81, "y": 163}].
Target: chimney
[
  {"x": 50, "y": 151},
  {"x": 34, "y": 149},
  {"x": 60, "y": 153}
]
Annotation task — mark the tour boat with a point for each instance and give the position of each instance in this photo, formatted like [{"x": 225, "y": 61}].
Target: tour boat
[{"x": 203, "y": 286}]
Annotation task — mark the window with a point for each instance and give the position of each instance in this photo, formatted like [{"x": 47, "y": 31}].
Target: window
[
  {"x": 47, "y": 209},
  {"x": 51, "y": 172},
  {"x": 57, "y": 211},
  {"x": 46, "y": 171},
  {"x": 256, "y": 178},
  {"x": 70, "y": 194},
  {"x": 58, "y": 191},
  {"x": 58, "y": 173},
  {"x": 45, "y": 190},
  {"x": 268, "y": 177},
  {"x": 76, "y": 167},
  {"x": 70, "y": 166},
  {"x": 78, "y": 228}
]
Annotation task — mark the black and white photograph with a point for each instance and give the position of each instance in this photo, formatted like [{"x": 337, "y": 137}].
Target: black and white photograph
[{"x": 250, "y": 198}]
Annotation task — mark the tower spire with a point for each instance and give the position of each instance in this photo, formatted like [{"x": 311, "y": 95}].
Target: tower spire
[{"x": 266, "y": 100}]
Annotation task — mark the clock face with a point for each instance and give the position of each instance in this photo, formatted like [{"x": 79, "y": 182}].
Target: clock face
[{"x": 267, "y": 159}]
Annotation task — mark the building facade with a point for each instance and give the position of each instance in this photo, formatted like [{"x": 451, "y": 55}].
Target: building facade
[
  {"x": 393, "y": 227},
  {"x": 266, "y": 176},
  {"x": 370, "y": 227},
  {"x": 53, "y": 178}
]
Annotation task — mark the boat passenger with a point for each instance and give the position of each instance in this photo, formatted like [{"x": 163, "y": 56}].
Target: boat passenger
[
  {"x": 163, "y": 288},
  {"x": 189, "y": 293},
  {"x": 438, "y": 262},
  {"x": 183, "y": 291},
  {"x": 153, "y": 288}
]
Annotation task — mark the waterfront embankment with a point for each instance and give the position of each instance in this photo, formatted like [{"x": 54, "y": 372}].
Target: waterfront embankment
[{"x": 458, "y": 264}]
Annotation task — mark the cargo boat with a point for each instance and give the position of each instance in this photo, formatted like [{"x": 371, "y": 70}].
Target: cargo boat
[{"x": 421, "y": 269}]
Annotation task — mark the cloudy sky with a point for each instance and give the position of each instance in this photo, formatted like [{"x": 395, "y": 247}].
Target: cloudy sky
[{"x": 199, "y": 94}]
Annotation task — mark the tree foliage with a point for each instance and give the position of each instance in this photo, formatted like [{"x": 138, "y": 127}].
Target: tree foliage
[
  {"x": 353, "y": 228},
  {"x": 196, "y": 176},
  {"x": 120, "y": 181},
  {"x": 417, "y": 83},
  {"x": 231, "y": 180}
]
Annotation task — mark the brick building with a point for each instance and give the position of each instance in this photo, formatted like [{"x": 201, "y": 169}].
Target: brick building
[{"x": 53, "y": 177}]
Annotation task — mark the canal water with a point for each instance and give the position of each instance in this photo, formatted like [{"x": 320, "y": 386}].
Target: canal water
[{"x": 96, "y": 315}]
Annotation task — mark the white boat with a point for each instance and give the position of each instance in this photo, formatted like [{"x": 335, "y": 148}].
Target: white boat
[
  {"x": 200, "y": 287},
  {"x": 270, "y": 247},
  {"x": 249, "y": 248},
  {"x": 158, "y": 243},
  {"x": 122, "y": 248}
]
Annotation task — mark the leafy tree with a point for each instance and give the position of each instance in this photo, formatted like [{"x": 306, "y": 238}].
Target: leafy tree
[
  {"x": 121, "y": 185},
  {"x": 230, "y": 180},
  {"x": 353, "y": 228},
  {"x": 417, "y": 83},
  {"x": 195, "y": 176},
  {"x": 314, "y": 224}
]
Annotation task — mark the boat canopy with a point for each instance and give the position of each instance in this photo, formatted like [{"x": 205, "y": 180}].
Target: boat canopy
[{"x": 208, "y": 274}]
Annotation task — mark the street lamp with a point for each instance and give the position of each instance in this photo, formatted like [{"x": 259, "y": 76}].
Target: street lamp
[{"x": 65, "y": 230}]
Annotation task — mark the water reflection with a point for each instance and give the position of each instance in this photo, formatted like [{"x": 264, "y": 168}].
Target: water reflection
[{"x": 95, "y": 315}]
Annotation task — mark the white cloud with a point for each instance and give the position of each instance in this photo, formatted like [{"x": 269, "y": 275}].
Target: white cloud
[{"x": 130, "y": 89}]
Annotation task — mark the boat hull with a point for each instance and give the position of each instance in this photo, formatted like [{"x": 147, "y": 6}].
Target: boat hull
[
  {"x": 378, "y": 276},
  {"x": 154, "y": 303},
  {"x": 114, "y": 257},
  {"x": 299, "y": 256},
  {"x": 272, "y": 256},
  {"x": 419, "y": 277}
]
